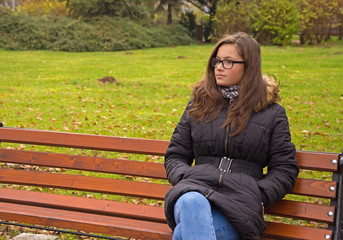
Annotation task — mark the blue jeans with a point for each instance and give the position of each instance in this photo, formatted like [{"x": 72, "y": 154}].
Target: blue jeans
[{"x": 196, "y": 219}]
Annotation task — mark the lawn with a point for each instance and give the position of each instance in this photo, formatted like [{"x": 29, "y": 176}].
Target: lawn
[{"x": 60, "y": 91}]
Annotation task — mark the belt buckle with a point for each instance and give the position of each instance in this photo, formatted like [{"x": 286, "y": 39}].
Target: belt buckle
[{"x": 225, "y": 164}]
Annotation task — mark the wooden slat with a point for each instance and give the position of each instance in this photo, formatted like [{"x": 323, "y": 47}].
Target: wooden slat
[
  {"x": 306, "y": 160},
  {"x": 84, "y": 183},
  {"x": 302, "y": 210},
  {"x": 306, "y": 211},
  {"x": 317, "y": 161},
  {"x": 84, "y": 141},
  {"x": 286, "y": 231},
  {"x": 273, "y": 230},
  {"x": 314, "y": 188},
  {"x": 113, "y": 226},
  {"x": 86, "y": 205},
  {"x": 308, "y": 187},
  {"x": 106, "y": 165},
  {"x": 145, "y": 169}
]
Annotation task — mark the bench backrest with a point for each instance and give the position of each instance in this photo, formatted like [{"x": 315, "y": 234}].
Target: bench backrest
[{"x": 147, "y": 179}]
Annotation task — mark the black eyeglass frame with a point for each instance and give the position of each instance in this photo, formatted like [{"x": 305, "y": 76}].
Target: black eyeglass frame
[{"x": 215, "y": 62}]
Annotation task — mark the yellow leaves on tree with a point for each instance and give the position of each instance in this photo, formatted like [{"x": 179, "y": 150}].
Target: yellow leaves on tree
[{"x": 43, "y": 7}]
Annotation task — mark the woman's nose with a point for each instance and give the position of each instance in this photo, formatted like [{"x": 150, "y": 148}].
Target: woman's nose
[{"x": 220, "y": 66}]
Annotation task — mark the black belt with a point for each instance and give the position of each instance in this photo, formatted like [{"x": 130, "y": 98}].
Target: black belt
[{"x": 226, "y": 164}]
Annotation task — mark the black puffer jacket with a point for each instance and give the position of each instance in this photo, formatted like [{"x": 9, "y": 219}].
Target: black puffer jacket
[{"x": 265, "y": 141}]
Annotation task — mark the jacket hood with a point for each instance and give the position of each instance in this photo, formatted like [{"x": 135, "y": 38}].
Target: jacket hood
[{"x": 272, "y": 95}]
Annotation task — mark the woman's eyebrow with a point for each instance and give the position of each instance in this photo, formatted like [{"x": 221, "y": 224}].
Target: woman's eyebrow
[{"x": 228, "y": 57}]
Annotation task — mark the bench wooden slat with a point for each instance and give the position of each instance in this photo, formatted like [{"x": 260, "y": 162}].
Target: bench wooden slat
[
  {"x": 84, "y": 221},
  {"x": 315, "y": 188},
  {"x": 84, "y": 183},
  {"x": 286, "y": 231},
  {"x": 84, "y": 141},
  {"x": 273, "y": 230},
  {"x": 317, "y": 161},
  {"x": 87, "y": 205},
  {"x": 106, "y": 165},
  {"x": 302, "y": 210},
  {"x": 117, "y": 226},
  {"x": 306, "y": 211}
]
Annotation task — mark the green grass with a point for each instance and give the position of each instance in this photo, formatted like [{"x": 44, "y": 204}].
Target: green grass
[{"x": 59, "y": 91}]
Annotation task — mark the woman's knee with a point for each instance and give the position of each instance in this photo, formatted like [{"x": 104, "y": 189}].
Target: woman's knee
[{"x": 192, "y": 199}]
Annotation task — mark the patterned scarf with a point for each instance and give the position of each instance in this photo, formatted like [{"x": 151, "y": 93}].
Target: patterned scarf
[{"x": 229, "y": 93}]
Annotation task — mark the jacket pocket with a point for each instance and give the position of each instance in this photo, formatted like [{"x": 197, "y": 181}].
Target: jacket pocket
[{"x": 246, "y": 187}]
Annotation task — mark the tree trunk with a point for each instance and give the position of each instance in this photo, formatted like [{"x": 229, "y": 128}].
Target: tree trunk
[
  {"x": 170, "y": 14},
  {"x": 340, "y": 27},
  {"x": 209, "y": 31}
]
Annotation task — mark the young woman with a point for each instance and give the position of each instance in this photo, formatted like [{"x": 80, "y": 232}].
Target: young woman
[{"x": 232, "y": 128}]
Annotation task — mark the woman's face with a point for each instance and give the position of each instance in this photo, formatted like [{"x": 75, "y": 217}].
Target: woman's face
[{"x": 228, "y": 77}]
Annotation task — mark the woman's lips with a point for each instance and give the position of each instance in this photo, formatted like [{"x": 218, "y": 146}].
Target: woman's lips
[{"x": 220, "y": 75}]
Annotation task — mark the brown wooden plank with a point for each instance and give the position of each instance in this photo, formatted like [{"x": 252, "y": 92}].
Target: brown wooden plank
[
  {"x": 306, "y": 211},
  {"x": 317, "y": 161},
  {"x": 84, "y": 183},
  {"x": 286, "y": 231},
  {"x": 83, "y": 141},
  {"x": 113, "y": 226},
  {"x": 302, "y": 210},
  {"x": 106, "y": 165},
  {"x": 315, "y": 188},
  {"x": 132, "y": 228},
  {"x": 308, "y": 187},
  {"x": 87, "y": 205}
]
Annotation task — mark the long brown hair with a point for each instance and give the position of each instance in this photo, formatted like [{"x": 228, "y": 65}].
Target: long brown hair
[{"x": 208, "y": 101}]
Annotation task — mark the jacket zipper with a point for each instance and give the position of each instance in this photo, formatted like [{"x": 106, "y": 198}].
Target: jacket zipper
[
  {"x": 226, "y": 140},
  {"x": 220, "y": 179},
  {"x": 226, "y": 151},
  {"x": 208, "y": 193}
]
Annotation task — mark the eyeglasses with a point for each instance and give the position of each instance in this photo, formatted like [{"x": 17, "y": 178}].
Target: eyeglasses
[{"x": 227, "y": 63}]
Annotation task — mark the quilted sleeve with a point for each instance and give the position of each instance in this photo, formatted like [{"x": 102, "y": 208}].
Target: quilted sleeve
[
  {"x": 179, "y": 155},
  {"x": 282, "y": 164}
]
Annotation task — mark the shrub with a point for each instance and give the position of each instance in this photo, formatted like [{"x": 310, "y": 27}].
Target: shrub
[
  {"x": 269, "y": 21},
  {"x": 316, "y": 18},
  {"x": 274, "y": 21},
  {"x": 21, "y": 32},
  {"x": 188, "y": 21},
  {"x": 232, "y": 17}
]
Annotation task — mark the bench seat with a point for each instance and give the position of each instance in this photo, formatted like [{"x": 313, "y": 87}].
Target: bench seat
[{"x": 44, "y": 187}]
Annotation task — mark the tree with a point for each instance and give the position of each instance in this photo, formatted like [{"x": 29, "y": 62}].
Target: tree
[
  {"x": 231, "y": 17},
  {"x": 188, "y": 20},
  {"x": 209, "y": 7},
  {"x": 10, "y": 3},
  {"x": 43, "y": 7},
  {"x": 171, "y": 5},
  {"x": 316, "y": 19},
  {"x": 274, "y": 21}
]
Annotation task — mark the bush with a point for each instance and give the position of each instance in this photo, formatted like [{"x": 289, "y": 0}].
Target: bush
[
  {"x": 269, "y": 21},
  {"x": 232, "y": 17},
  {"x": 274, "y": 21},
  {"x": 316, "y": 19},
  {"x": 20, "y": 32},
  {"x": 188, "y": 20}
]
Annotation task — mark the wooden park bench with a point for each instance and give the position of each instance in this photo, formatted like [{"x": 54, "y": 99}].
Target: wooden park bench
[{"x": 31, "y": 181}]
